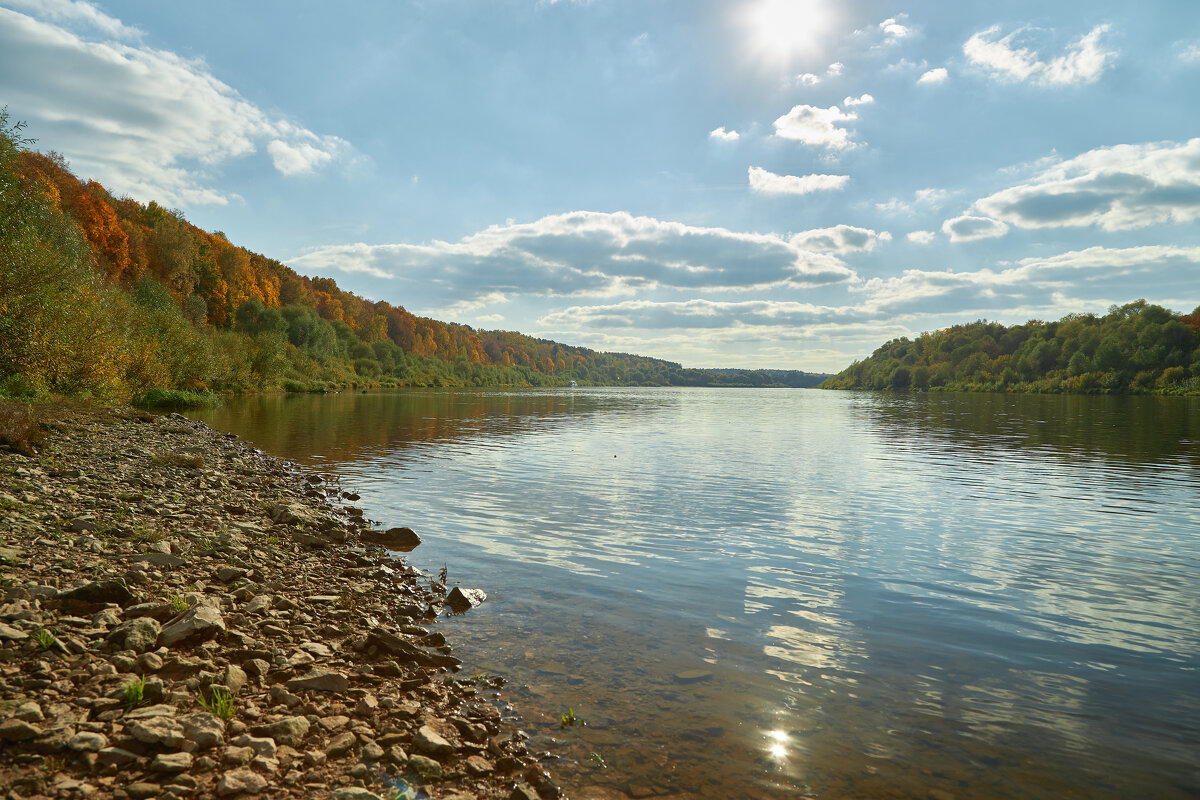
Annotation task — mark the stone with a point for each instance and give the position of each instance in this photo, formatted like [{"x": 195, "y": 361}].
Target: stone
[
  {"x": 149, "y": 662},
  {"x": 16, "y": 730},
  {"x": 112, "y": 590},
  {"x": 409, "y": 652},
  {"x": 281, "y": 696},
  {"x": 106, "y": 618},
  {"x": 289, "y": 731},
  {"x": 395, "y": 755},
  {"x": 259, "y": 605},
  {"x": 341, "y": 745},
  {"x": 257, "y": 667},
  {"x": 228, "y": 574},
  {"x": 236, "y": 781},
  {"x": 171, "y": 763},
  {"x": 523, "y": 793},
  {"x": 260, "y": 745},
  {"x": 142, "y": 790},
  {"x": 334, "y": 722},
  {"x": 426, "y": 740},
  {"x": 478, "y": 765},
  {"x": 29, "y": 711},
  {"x": 320, "y": 680},
  {"x": 367, "y": 705},
  {"x": 692, "y": 676},
  {"x": 117, "y": 756},
  {"x": 460, "y": 599},
  {"x": 233, "y": 678},
  {"x": 166, "y": 731},
  {"x": 403, "y": 539},
  {"x": 160, "y": 560},
  {"x": 139, "y": 634},
  {"x": 88, "y": 742},
  {"x": 317, "y": 649},
  {"x": 198, "y": 622},
  {"x": 353, "y": 793},
  {"x": 238, "y": 755},
  {"x": 11, "y": 634},
  {"x": 203, "y": 729},
  {"x": 426, "y": 767}
]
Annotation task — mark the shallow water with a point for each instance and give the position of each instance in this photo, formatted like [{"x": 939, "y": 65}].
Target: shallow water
[{"x": 781, "y": 593}]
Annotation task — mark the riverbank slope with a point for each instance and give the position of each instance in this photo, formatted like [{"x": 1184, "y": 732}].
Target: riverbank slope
[{"x": 182, "y": 615}]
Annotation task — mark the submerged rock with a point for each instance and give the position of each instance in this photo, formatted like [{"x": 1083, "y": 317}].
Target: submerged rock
[{"x": 460, "y": 599}]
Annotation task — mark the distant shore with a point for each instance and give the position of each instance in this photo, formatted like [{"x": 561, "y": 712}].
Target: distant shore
[{"x": 182, "y": 615}]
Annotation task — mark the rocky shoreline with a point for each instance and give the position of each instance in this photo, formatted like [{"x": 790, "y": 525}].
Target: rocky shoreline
[{"x": 184, "y": 616}]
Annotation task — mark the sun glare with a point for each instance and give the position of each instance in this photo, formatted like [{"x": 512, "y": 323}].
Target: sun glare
[{"x": 783, "y": 29}]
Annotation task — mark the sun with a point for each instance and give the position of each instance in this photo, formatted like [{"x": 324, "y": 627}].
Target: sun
[{"x": 783, "y": 29}]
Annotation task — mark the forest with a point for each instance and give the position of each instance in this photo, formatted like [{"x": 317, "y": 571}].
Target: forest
[
  {"x": 107, "y": 298},
  {"x": 1136, "y": 348}
]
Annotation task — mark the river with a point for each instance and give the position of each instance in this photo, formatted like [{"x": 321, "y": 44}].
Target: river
[{"x": 791, "y": 593}]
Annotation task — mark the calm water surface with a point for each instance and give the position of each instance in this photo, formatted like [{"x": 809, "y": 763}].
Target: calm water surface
[{"x": 789, "y": 593}]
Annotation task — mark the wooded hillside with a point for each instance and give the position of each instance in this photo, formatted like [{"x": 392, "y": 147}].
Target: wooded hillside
[{"x": 106, "y": 296}]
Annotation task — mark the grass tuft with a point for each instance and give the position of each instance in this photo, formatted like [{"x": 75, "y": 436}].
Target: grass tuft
[{"x": 220, "y": 704}]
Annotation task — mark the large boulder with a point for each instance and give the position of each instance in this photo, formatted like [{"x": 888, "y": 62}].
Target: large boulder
[{"x": 403, "y": 539}]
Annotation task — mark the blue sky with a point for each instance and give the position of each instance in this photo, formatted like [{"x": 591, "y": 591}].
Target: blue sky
[{"x": 762, "y": 183}]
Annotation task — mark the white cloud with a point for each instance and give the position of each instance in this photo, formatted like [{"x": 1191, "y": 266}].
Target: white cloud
[
  {"x": 967, "y": 228},
  {"x": 769, "y": 183},
  {"x": 1083, "y": 61},
  {"x": 893, "y": 30},
  {"x": 864, "y": 100},
  {"x": 1115, "y": 188},
  {"x": 142, "y": 121},
  {"x": 583, "y": 253},
  {"x": 924, "y": 198},
  {"x": 808, "y": 79},
  {"x": 835, "y": 69},
  {"x": 1189, "y": 52},
  {"x": 723, "y": 135},
  {"x": 936, "y": 75},
  {"x": 816, "y": 126},
  {"x": 921, "y": 237},
  {"x": 840, "y": 239},
  {"x": 76, "y": 13}
]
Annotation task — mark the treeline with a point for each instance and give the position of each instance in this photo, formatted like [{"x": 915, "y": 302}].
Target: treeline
[
  {"x": 108, "y": 297},
  {"x": 1137, "y": 348}
]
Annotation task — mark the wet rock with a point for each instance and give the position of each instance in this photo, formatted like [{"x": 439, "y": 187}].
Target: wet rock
[
  {"x": 460, "y": 599},
  {"x": 408, "y": 652},
  {"x": 198, "y": 622},
  {"x": 523, "y": 793},
  {"x": 692, "y": 676},
  {"x": 320, "y": 680},
  {"x": 403, "y": 539},
  {"x": 236, "y": 781}
]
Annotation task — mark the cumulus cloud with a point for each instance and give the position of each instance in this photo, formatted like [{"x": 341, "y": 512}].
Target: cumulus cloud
[
  {"x": 808, "y": 79},
  {"x": 585, "y": 253},
  {"x": 816, "y": 126},
  {"x": 840, "y": 239},
  {"x": 936, "y": 75},
  {"x": 1009, "y": 57},
  {"x": 887, "y": 33},
  {"x": 769, "y": 183},
  {"x": 835, "y": 69},
  {"x": 920, "y": 237},
  {"x": 144, "y": 122},
  {"x": 1114, "y": 188},
  {"x": 863, "y": 100},
  {"x": 969, "y": 229},
  {"x": 722, "y": 135},
  {"x": 1189, "y": 52},
  {"x": 893, "y": 30}
]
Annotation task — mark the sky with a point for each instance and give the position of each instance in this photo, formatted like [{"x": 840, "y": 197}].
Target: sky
[{"x": 766, "y": 183}]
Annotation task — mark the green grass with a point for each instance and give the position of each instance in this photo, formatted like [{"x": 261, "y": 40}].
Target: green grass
[
  {"x": 179, "y": 603},
  {"x": 221, "y": 703},
  {"x": 135, "y": 694},
  {"x": 45, "y": 639},
  {"x": 568, "y": 719}
]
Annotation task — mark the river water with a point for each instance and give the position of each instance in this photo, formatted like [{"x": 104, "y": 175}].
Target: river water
[{"x": 791, "y": 593}]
